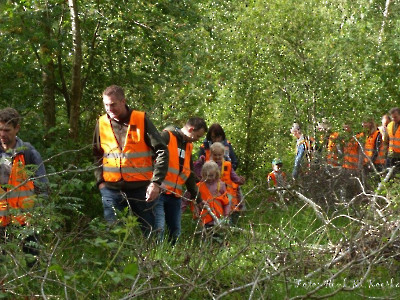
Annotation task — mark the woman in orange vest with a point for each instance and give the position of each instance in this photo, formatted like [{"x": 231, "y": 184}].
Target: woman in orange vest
[{"x": 213, "y": 192}]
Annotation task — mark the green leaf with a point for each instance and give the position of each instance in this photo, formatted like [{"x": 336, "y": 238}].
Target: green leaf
[{"x": 131, "y": 269}]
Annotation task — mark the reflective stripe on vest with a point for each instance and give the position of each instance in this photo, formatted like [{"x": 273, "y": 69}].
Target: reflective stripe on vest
[
  {"x": 134, "y": 162},
  {"x": 332, "y": 157},
  {"x": 231, "y": 187},
  {"x": 18, "y": 199},
  {"x": 175, "y": 179},
  {"x": 215, "y": 203},
  {"x": 370, "y": 145},
  {"x": 394, "y": 138},
  {"x": 350, "y": 152}
]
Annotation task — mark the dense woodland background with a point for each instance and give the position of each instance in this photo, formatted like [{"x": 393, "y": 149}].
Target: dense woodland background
[{"x": 255, "y": 67}]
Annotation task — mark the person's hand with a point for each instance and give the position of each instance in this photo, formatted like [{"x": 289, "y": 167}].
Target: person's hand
[
  {"x": 242, "y": 180},
  {"x": 153, "y": 190},
  {"x": 200, "y": 205},
  {"x": 101, "y": 185}
]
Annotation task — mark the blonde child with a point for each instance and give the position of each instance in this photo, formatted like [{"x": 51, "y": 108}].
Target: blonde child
[
  {"x": 213, "y": 193},
  {"x": 228, "y": 176}
]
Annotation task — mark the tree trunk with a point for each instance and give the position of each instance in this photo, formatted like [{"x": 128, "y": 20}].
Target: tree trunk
[
  {"x": 76, "y": 85},
  {"x": 49, "y": 105},
  {"x": 48, "y": 77}
]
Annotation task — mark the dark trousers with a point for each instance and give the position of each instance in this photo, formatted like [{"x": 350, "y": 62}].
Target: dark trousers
[{"x": 136, "y": 200}]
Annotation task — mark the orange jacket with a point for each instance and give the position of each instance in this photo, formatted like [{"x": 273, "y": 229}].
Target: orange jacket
[
  {"x": 369, "y": 148},
  {"x": 394, "y": 138},
  {"x": 216, "y": 203},
  {"x": 134, "y": 161},
  {"x": 175, "y": 178},
  {"x": 18, "y": 195},
  {"x": 231, "y": 187},
  {"x": 351, "y": 153},
  {"x": 332, "y": 156},
  {"x": 274, "y": 176}
]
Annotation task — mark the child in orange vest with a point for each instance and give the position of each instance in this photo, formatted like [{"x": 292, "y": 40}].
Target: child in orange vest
[
  {"x": 213, "y": 193},
  {"x": 228, "y": 176},
  {"x": 277, "y": 178}
]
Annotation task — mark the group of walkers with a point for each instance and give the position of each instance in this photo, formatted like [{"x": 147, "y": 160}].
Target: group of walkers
[
  {"x": 145, "y": 170},
  {"x": 138, "y": 168},
  {"x": 352, "y": 154}
]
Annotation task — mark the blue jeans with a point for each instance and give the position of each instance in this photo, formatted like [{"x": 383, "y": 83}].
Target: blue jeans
[
  {"x": 168, "y": 210},
  {"x": 117, "y": 199}
]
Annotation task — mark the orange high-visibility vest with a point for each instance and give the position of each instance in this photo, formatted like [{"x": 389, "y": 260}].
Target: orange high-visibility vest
[
  {"x": 216, "y": 204},
  {"x": 175, "y": 179},
  {"x": 370, "y": 144},
  {"x": 332, "y": 157},
  {"x": 394, "y": 138},
  {"x": 276, "y": 178},
  {"x": 350, "y": 154},
  {"x": 18, "y": 195},
  {"x": 231, "y": 187},
  {"x": 134, "y": 161}
]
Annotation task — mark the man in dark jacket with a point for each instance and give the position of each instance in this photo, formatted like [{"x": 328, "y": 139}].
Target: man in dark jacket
[
  {"x": 132, "y": 159},
  {"x": 180, "y": 173}
]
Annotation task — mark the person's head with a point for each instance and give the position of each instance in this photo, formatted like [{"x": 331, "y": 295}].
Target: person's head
[
  {"x": 395, "y": 114},
  {"x": 114, "y": 102},
  {"x": 217, "y": 151},
  {"x": 194, "y": 129},
  {"x": 386, "y": 120},
  {"x": 9, "y": 127},
  {"x": 215, "y": 133},
  {"x": 210, "y": 171},
  {"x": 346, "y": 127},
  {"x": 323, "y": 126},
  {"x": 277, "y": 164},
  {"x": 295, "y": 130},
  {"x": 369, "y": 124}
]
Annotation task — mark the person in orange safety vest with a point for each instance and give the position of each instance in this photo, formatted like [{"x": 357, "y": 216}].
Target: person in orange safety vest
[
  {"x": 228, "y": 176},
  {"x": 276, "y": 178},
  {"x": 213, "y": 192},
  {"x": 375, "y": 149},
  {"x": 132, "y": 160},
  {"x": 19, "y": 190},
  {"x": 393, "y": 138},
  {"x": 168, "y": 206}
]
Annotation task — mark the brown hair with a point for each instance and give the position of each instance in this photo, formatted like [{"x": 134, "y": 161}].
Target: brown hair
[
  {"x": 115, "y": 90},
  {"x": 197, "y": 123},
  {"x": 217, "y": 130},
  {"x": 9, "y": 115}
]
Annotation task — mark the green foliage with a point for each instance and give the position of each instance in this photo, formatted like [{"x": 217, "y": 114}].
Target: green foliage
[{"x": 255, "y": 67}]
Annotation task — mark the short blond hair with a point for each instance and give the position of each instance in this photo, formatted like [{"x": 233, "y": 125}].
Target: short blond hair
[
  {"x": 217, "y": 146},
  {"x": 210, "y": 167}
]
